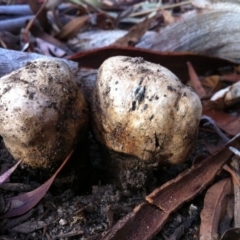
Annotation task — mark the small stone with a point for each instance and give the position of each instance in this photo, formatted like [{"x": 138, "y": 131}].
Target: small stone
[{"x": 62, "y": 222}]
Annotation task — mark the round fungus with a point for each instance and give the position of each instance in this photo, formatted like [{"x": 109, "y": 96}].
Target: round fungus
[
  {"x": 42, "y": 112},
  {"x": 144, "y": 116}
]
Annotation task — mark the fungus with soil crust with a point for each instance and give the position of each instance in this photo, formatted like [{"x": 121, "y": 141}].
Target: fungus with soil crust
[
  {"x": 144, "y": 117},
  {"x": 42, "y": 112}
]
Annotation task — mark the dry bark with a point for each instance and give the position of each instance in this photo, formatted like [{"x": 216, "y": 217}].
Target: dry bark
[{"x": 213, "y": 30}]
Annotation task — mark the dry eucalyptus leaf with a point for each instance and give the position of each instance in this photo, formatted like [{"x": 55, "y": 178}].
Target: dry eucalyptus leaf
[
  {"x": 71, "y": 28},
  {"x": 24, "y": 202},
  {"x": 213, "y": 206},
  {"x": 134, "y": 34},
  {"x": 6, "y": 175}
]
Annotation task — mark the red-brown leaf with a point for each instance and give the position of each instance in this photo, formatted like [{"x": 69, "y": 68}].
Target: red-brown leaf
[
  {"x": 176, "y": 62},
  {"x": 196, "y": 84},
  {"x": 230, "y": 124}
]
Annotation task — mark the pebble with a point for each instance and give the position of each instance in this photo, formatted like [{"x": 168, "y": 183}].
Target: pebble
[{"x": 62, "y": 222}]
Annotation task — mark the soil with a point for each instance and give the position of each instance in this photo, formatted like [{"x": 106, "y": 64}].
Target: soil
[{"x": 82, "y": 204}]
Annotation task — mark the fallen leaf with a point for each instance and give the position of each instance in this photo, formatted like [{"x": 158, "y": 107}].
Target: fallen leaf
[
  {"x": 176, "y": 62},
  {"x": 7, "y": 174},
  {"x": 213, "y": 83},
  {"x": 230, "y": 77},
  {"x": 213, "y": 204},
  {"x": 13, "y": 222},
  {"x": 37, "y": 32},
  {"x": 230, "y": 124},
  {"x": 24, "y": 202},
  {"x": 196, "y": 84},
  {"x": 134, "y": 34},
  {"x": 213, "y": 148},
  {"x": 211, "y": 123},
  {"x": 227, "y": 217},
  {"x": 168, "y": 17},
  {"x": 104, "y": 21},
  {"x": 28, "y": 227},
  {"x": 49, "y": 49},
  {"x": 236, "y": 188},
  {"x": 41, "y": 16},
  {"x": 72, "y": 28}
]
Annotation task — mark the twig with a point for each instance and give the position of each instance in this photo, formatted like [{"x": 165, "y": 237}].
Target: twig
[{"x": 29, "y": 25}]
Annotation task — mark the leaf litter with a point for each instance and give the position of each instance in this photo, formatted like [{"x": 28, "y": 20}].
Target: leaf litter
[{"x": 157, "y": 208}]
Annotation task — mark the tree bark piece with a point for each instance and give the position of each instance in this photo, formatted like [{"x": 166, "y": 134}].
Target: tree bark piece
[
  {"x": 212, "y": 30},
  {"x": 192, "y": 181},
  {"x": 143, "y": 223}
]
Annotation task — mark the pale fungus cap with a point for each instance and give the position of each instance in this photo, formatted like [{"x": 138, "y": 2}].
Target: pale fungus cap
[
  {"x": 143, "y": 110},
  {"x": 42, "y": 112}
]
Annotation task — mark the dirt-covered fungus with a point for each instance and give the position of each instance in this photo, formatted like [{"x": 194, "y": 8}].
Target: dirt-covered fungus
[
  {"x": 42, "y": 112},
  {"x": 144, "y": 116}
]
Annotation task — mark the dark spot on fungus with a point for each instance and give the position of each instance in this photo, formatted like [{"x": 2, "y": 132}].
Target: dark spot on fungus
[
  {"x": 156, "y": 140},
  {"x": 151, "y": 117},
  {"x": 133, "y": 106},
  {"x": 170, "y": 88},
  {"x": 139, "y": 93}
]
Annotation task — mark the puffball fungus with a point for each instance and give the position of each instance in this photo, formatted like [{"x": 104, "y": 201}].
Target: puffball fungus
[
  {"x": 42, "y": 112},
  {"x": 143, "y": 112}
]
